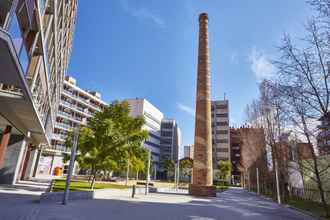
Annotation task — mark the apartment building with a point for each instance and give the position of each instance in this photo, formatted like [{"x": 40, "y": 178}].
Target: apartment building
[
  {"x": 188, "y": 151},
  {"x": 153, "y": 119},
  {"x": 220, "y": 131},
  {"x": 35, "y": 47},
  {"x": 76, "y": 107},
  {"x": 170, "y": 140}
]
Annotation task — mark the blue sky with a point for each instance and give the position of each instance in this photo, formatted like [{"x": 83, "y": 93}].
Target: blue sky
[{"x": 148, "y": 49}]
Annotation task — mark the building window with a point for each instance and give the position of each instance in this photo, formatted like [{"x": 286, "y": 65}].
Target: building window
[
  {"x": 222, "y": 141},
  {"x": 154, "y": 136},
  {"x": 221, "y": 132},
  {"x": 221, "y": 107},
  {"x": 223, "y": 115},
  {"x": 166, "y": 133},
  {"x": 222, "y": 150},
  {"x": 223, "y": 123}
]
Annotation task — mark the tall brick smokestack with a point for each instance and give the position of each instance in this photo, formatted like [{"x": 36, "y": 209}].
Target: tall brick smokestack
[{"x": 202, "y": 183}]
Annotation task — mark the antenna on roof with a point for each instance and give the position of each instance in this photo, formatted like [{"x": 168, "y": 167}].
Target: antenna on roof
[{"x": 224, "y": 96}]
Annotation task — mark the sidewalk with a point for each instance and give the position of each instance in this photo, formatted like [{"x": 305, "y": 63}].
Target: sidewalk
[{"x": 32, "y": 187}]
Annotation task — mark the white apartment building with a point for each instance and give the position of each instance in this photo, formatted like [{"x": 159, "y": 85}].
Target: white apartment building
[
  {"x": 153, "y": 118},
  {"x": 220, "y": 131},
  {"x": 76, "y": 107}
]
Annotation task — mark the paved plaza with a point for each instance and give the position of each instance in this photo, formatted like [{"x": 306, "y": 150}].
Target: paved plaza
[{"x": 234, "y": 204}]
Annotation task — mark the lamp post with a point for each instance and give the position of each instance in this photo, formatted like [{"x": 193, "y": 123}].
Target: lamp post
[
  {"x": 148, "y": 174},
  {"x": 71, "y": 165}
]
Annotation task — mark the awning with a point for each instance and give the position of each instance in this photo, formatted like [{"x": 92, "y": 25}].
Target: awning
[{"x": 18, "y": 109}]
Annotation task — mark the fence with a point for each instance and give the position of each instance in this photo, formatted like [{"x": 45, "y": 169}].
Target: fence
[{"x": 309, "y": 194}]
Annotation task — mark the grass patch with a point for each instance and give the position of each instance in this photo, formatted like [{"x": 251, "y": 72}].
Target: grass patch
[
  {"x": 59, "y": 185},
  {"x": 310, "y": 206}
]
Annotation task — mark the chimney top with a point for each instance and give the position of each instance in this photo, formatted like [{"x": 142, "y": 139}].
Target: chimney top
[{"x": 203, "y": 17}]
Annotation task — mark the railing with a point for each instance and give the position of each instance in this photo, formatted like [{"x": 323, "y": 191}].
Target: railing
[
  {"x": 59, "y": 136},
  {"x": 65, "y": 114},
  {"x": 62, "y": 125},
  {"x": 309, "y": 194},
  {"x": 85, "y": 101}
]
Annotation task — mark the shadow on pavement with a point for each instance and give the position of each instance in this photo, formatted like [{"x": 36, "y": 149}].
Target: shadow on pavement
[{"x": 230, "y": 205}]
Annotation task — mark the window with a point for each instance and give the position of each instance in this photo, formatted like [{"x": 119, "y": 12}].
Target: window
[
  {"x": 223, "y": 123},
  {"x": 221, "y": 107},
  {"x": 222, "y": 150},
  {"x": 222, "y": 141},
  {"x": 166, "y": 141},
  {"x": 166, "y": 133},
  {"x": 153, "y": 135},
  {"x": 151, "y": 144},
  {"x": 223, "y": 115},
  {"x": 222, "y": 132}
]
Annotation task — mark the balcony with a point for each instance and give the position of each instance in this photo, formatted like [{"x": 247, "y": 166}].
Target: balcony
[
  {"x": 63, "y": 126},
  {"x": 60, "y": 137},
  {"x": 18, "y": 106},
  {"x": 65, "y": 114},
  {"x": 81, "y": 100}
]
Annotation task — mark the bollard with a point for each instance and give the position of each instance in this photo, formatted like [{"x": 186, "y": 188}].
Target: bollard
[{"x": 133, "y": 191}]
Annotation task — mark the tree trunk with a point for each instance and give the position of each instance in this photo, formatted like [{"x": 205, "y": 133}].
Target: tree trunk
[
  {"x": 127, "y": 173},
  {"x": 93, "y": 181},
  {"x": 137, "y": 175},
  {"x": 320, "y": 186},
  {"x": 316, "y": 170},
  {"x": 277, "y": 183}
]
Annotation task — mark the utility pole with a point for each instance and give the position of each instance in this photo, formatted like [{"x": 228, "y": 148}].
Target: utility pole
[
  {"x": 148, "y": 174},
  {"x": 71, "y": 165}
]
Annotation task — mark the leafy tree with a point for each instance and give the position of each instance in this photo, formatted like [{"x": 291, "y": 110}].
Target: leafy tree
[
  {"x": 186, "y": 165},
  {"x": 110, "y": 140},
  {"x": 225, "y": 168},
  {"x": 169, "y": 166}
]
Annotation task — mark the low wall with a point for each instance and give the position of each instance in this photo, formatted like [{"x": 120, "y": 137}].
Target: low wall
[{"x": 58, "y": 196}]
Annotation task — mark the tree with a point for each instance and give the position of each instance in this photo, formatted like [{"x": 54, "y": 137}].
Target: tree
[
  {"x": 110, "y": 140},
  {"x": 302, "y": 84},
  {"x": 169, "y": 166},
  {"x": 186, "y": 165},
  {"x": 266, "y": 112},
  {"x": 139, "y": 165},
  {"x": 224, "y": 172}
]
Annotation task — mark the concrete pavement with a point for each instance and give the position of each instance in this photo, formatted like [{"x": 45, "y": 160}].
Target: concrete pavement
[{"x": 234, "y": 204}]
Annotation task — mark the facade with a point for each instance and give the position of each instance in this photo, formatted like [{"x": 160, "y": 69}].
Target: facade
[
  {"x": 35, "y": 47},
  {"x": 235, "y": 154},
  {"x": 220, "y": 131},
  {"x": 76, "y": 107},
  {"x": 153, "y": 119},
  {"x": 188, "y": 151},
  {"x": 170, "y": 140},
  {"x": 323, "y": 138},
  {"x": 253, "y": 155}
]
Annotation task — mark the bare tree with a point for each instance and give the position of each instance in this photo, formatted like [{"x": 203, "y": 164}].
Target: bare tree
[
  {"x": 266, "y": 113},
  {"x": 302, "y": 84}
]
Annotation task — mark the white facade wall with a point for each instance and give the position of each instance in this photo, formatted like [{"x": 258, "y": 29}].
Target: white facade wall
[
  {"x": 75, "y": 108},
  {"x": 153, "y": 117}
]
